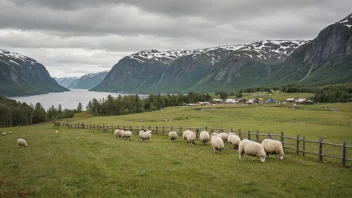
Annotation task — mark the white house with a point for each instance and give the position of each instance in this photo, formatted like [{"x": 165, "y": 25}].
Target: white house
[
  {"x": 301, "y": 100},
  {"x": 230, "y": 100},
  {"x": 290, "y": 100}
]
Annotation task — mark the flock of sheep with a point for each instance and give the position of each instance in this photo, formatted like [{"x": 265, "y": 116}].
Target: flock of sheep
[
  {"x": 217, "y": 141},
  {"x": 20, "y": 142}
]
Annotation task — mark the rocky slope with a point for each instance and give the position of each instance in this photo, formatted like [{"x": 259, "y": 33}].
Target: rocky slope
[
  {"x": 88, "y": 81},
  {"x": 21, "y": 75},
  {"x": 325, "y": 60},
  {"x": 66, "y": 81}
]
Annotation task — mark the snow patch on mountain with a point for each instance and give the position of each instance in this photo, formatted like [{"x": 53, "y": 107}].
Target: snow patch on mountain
[{"x": 16, "y": 57}]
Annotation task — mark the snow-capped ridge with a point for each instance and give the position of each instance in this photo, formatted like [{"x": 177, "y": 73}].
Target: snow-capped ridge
[
  {"x": 347, "y": 21},
  {"x": 17, "y": 56}
]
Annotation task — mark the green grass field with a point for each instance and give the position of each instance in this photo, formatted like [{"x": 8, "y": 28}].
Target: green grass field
[{"x": 87, "y": 163}]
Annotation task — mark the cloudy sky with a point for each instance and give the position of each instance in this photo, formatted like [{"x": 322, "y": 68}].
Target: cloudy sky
[{"x": 76, "y": 37}]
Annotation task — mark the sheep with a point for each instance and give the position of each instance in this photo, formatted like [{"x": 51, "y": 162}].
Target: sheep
[
  {"x": 223, "y": 136},
  {"x": 273, "y": 147},
  {"x": 204, "y": 137},
  {"x": 185, "y": 133},
  {"x": 126, "y": 135},
  {"x": 214, "y": 134},
  {"x": 118, "y": 132},
  {"x": 251, "y": 148},
  {"x": 22, "y": 142},
  {"x": 145, "y": 136},
  {"x": 9, "y": 132},
  {"x": 232, "y": 133},
  {"x": 57, "y": 131},
  {"x": 217, "y": 143},
  {"x": 4, "y": 133},
  {"x": 191, "y": 138},
  {"x": 140, "y": 133},
  {"x": 173, "y": 136},
  {"x": 234, "y": 140}
]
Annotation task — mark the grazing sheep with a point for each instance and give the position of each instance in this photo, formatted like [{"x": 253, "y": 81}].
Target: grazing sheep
[
  {"x": 57, "y": 131},
  {"x": 9, "y": 132},
  {"x": 204, "y": 137},
  {"x": 251, "y": 148},
  {"x": 273, "y": 147},
  {"x": 126, "y": 135},
  {"x": 145, "y": 136},
  {"x": 173, "y": 135},
  {"x": 214, "y": 134},
  {"x": 223, "y": 136},
  {"x": 118, "y": 133},
  {"x": 4, "y": 133},
  {"x": 22, "y": 142},
  {"x": 140, "y": 133},
  {"x": 191, "y": 138},
  {"x": 234, "y": 140},
  {"x": 185, "y": 133},
  {"x": 232, "y": 133},
  {"x": 216, "y": 143}
]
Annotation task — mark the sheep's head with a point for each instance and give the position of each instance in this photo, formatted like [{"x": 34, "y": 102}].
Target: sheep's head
[
  {"x": 262, "y": 158},
  {"x": 282, "y": 157}
]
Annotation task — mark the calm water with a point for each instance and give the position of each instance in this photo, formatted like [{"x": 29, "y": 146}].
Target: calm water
[{"x": 68, "y": 100}]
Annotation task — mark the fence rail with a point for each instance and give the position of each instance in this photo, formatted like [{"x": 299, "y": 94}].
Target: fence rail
[{"x": 297, "y": 144}]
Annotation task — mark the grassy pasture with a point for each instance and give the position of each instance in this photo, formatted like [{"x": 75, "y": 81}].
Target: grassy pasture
[
  {"x": 84, "y": 163},
  {"x": 87, "y": 163}
]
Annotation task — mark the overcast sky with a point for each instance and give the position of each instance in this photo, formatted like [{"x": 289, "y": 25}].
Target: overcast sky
[{"x": 76, "y": 37}]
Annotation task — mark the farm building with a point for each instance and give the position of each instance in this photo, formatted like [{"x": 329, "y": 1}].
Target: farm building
[
  {"x": 217, "y": 101},
  {"x": 230, "y": 100},
  {"x": 300, "y": 101},
  {"x": 204, "y": 103},
  {"x": 250, "y": 101},
  {"x": 270, "y": 100},
  {"x": 242, "y": 100},
  {"x": 290, "y": 100},
  {"x": 258, "y": 100}
]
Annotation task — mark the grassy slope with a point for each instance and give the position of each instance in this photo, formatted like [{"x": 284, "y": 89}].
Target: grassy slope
[{"x": 85, "y": 163}]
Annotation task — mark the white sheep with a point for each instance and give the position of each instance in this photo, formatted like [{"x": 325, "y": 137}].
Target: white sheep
[
  {"x": 22, "y": 142},
  {"x": 216, "y": 143},
  {"x": 146, "y": 136},
  {"x": 223, "y": 136},
  {"x": 204, "y": 137},
  {"x": 9, "y": 132},
  {"x": 273, "y": 147},
  {"x": 214, "y": 134},
  {"x": 251, "y": 148},
  {"x": 173, "y": 135},
  {"x": 140, "y": 133},
  {"x": 234, "y": 140},
  {"x": 232, "y": 133},
  {"x": 191, "y": 138},
  {"x": 126, "y": 135},
  {"x": 4, "y": 133},
  {"x": 185, "y": 133},
  {"x": 57, "y": 131},
  {"x": 117, "y": 133}
]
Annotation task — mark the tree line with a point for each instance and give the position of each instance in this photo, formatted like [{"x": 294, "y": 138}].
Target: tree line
[
  {"x": 135, "y": 104},
  {"x": 15, "y": 113}
]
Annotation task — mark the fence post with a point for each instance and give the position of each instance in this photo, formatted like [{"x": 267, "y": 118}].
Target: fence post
[
  {"x": 137, "y": 132},
  {"x": 304, "y": 145},
  {"x": 297, "y": 146},
  {"x": 344, "y": 153},
  {"x": 321, "y": 149},
  {"x": 180, "y": 129},
  {"x": 118, "y": 126},
  {"x": 249, "y": 135},
  {"x": 211, "y": 130},
  {"x": 282, "y": 140},
  {"x": 239, "y": 133},
  {"x": 171, "y": 128},
  {"x": 220, "y": 130},
  {"x": 231, "y": 129},
  {"x": 143, "y": 128},
  {"x": 269, "y": 135},
  {"x": 257, "y": 136},
  {"x": 206, "y": 128},
  {"x": 149, "y": 127},
  {"x": 131, "y": 128},
  {"x": 197, "y": 132},
  {"x": 124, "y": 128},
  {"x": 156, "y": 129}
]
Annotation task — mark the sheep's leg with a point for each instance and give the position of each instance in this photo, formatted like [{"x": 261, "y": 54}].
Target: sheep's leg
[
  {"x": 276, "y": 156},
  {"x": 252, "y": 159}
]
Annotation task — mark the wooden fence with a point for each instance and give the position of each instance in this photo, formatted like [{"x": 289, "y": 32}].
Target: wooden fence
[{"x": 299, "y": 144}]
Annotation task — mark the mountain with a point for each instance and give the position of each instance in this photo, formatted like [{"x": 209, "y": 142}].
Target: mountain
[
  {"x": 325, "y": 60},
  {"x": 21, "y": 75},
  {"x": 66, "y": 81},
  {"x": 88, "y": 81},
  {"x": 208, "y": 70}
]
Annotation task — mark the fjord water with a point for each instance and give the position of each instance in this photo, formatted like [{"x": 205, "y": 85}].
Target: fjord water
[{"x": 68, "y": 99}]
